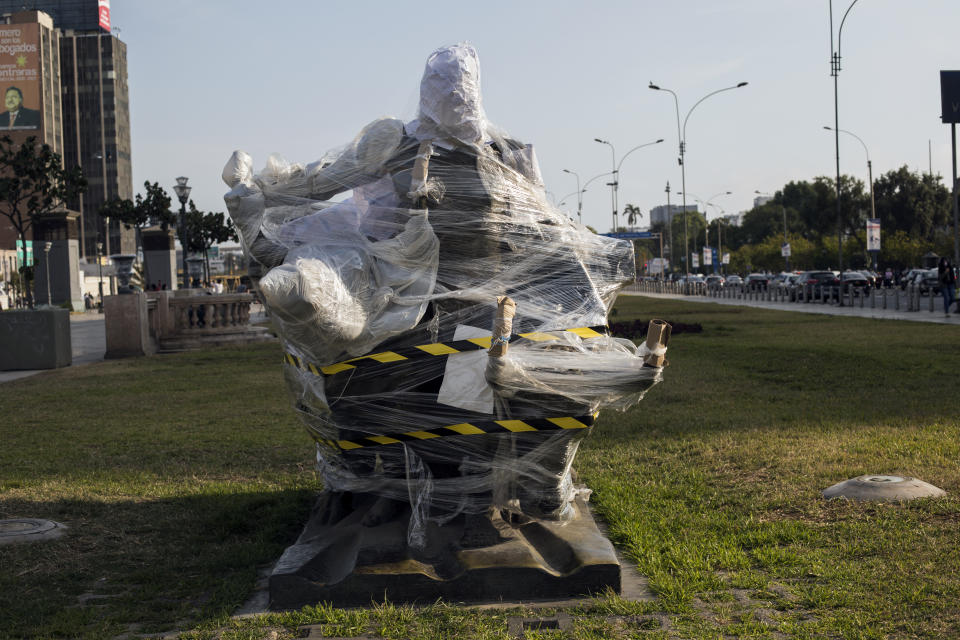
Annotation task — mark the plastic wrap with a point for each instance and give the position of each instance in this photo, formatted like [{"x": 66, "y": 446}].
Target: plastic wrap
[{"x": 386, "y": 304}]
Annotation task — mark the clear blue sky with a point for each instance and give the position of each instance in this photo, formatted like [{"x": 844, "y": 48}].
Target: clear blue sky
[{"x": 302, "y": 77}]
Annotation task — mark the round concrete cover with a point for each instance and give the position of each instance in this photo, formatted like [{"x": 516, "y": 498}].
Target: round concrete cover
[
  {"x": 29, "y": 530},
  {"x": 883, "y": 488}
]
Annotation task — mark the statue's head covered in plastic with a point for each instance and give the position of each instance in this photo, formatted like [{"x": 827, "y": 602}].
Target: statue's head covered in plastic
[{"x": 450, "y": 104}]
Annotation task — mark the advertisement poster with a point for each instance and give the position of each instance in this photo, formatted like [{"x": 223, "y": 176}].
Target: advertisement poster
[
  {"x": 873, "y": 234},
  {"x": 696, "y": 261},
  {"x": 20, "y": 77},
  {"x": 707, "y": 255},
  {"x": 785, "y": 250},
  {"x": 726, "y": 258},
  {"x": 103, "y": 7}
]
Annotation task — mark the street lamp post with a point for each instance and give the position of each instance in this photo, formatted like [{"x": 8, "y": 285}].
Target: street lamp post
[
  {"x": 873, "y": 208},
  {"x": 783, "y": 209},
  {"x": 670, "y": 224},
  {"x": 682, "y": 139},
  {"x": 616, "y": 173},
  {"x": 46, "y": 251},
  {"x": 720, "y": 238},
  {"x": 706, "y": 225},
  {"x": 183, "y": 194},
  {"x": 100, "y": 269},
  {"x": 835, "y": 72},
  {"x": 579, "y": 195}
]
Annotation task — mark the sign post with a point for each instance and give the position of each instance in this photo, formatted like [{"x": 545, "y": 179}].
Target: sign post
[
  {"x": 873, "y": 239},
  {"x": 950, "y": 112}
]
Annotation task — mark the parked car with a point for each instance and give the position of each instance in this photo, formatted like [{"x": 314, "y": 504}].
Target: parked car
[
  {"x": 791, "y": 286},
  {"x": 757, "y": 281},
  {"x": 908, "y": 277},
  {"x": 872, "y": 277},
  {"x": 927, "y": 280},
  {"x": 715, "y": 281},
  {"x": 815, "y": 281},
  {"x": 734, "y": 280},
  {"x": 855, "y": 279}
]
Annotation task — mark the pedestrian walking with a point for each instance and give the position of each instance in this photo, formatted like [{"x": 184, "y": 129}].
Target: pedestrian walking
[{"x": 948, "y": 284}]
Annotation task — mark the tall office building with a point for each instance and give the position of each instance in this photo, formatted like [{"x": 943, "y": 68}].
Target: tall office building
[
  {"x": 664, "y": 213},
  {"x": 30, "y": 84},
  {"x": 95, "y": 112}
]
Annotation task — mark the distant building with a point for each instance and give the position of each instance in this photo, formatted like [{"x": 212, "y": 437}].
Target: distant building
[
  {"x": 761, "y": 200},
  {"x": 94, "y": 117},
  {"x": 733, "y": 219},
  {"x": 31, "y": 88},
  {"x": 661, "y": 214}
]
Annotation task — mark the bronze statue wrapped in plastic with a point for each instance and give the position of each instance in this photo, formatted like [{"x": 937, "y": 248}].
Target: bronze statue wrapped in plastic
[{"x": 426, "y": 415}]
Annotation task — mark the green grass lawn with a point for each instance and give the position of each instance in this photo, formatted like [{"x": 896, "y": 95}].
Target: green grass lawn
[{"x": 182, "y": 476}]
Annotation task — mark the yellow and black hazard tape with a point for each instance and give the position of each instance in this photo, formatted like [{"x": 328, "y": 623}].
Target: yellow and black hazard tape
[
  {"x": 427, "y": 350},
  {"x": 469, "y": 429}
]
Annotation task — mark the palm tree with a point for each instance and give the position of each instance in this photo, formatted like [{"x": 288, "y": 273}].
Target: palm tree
[{"x": 633, "y": 215}]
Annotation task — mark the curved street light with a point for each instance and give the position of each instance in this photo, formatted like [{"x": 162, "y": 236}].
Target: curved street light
[
  {"x": 682, "y": 139},
  {"x": 835, "y": 72},
  {"x": 708, "y": 203},
  {"x": 616, "y": 172},
  {"x": 873, "y": 208},
  {"x": 579, "y": 195}
]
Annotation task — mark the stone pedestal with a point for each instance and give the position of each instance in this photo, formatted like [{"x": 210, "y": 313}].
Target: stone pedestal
[
  {"x": 127, "y": 326},
  {"x": 159, "y": 257},
  {"x": 35, "y": 339},
  {"x": 60, "y": 229},
  {"x": 483, "y": 558}
]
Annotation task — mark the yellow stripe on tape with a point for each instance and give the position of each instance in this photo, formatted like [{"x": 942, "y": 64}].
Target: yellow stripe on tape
[
  {"x": 422, "y": 435},
  {"x": 387, "y": 356},
  {"x": 383, "y": 439},
  {"x": 437, "y": 349},
  {"x": 481, "y": 342},
  {"x": 585, "y": 332},
  {"x": 336, "y": 368},
  {"x": 537, "y": 336},
  {"x": 567, "y": 423},
  {"x": 313, "y": 369},
  {"x": 347, "y": 445},
  {"x": 515, "y": 425},
  {"x": 465, "y": 429}
]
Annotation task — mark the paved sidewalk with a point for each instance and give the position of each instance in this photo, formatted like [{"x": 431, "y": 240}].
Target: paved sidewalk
[{"x": 815, "y": 307}]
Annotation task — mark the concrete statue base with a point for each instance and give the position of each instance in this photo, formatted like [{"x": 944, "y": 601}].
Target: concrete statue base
[{"x": 482, "y": 558}]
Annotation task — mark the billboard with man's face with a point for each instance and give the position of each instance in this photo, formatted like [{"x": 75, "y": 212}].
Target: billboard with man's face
[{"x": 20, "y": 77}]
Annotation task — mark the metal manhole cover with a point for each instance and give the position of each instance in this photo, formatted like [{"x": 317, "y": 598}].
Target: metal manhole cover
[{"x": 29, "y": 530}]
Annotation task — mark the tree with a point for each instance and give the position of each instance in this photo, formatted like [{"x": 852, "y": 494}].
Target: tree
[
  {"x": 911, "y": 202},
  {"x": 634, "y": 214},
  {"x": 33, "y": 183},
  {"x": 154, "y": 208},
  {"x": 205, "y": 230}
]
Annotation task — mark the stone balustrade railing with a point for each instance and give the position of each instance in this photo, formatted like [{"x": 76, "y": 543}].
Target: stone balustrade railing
[
  {"x": 210, "y": 314},
  {"x": 185, "y": 320}
]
